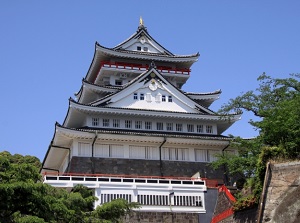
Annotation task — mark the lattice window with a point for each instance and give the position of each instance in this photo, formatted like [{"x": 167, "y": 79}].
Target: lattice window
[
  {"x": 190, "y": 127},
  {"x": 209, "y": 129},
  {"x": 105, "y": 122},
  {"x": 160, "y": 126},
  {"x": 138, "y": 124},
  {"x": 200, "y": 128},
  {"x": 169, "y": 126},
  {"x": 128, "y": 124},
  {"x": 148, "y": 125},
  {"x": 104, "y": 198},
  {"x": 95, "y": 121},
  {"x": 178, "y": 127},
  {"x": 116, "y": 123}
]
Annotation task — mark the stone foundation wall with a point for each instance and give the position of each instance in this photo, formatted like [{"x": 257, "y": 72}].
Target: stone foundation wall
[
  {"x": 282, "y": 200},
  {"x": 142, "y": 167}
]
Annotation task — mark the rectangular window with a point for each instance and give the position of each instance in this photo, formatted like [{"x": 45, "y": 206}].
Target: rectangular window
[
  {"x": 190, "y": 127},
  {"x": 209, "y": 129},
  {"x": 170, "y": 99},
  {"x": 142, "y": 96},
  {"x": 105, "y": 122},
  {"x": 200, "y": 128},
  {"x": 148, "y": 125},
  {"x": 201, "y": 155},
  {"x": 138, "y": 124},
  {"x": 169, "y": 126},
  {"x": 145, "y": 48},
  {"x": 163, "y": 98},
  {"x": 175, "y": 154},
  {"x": 138, "y": 48},
  {"x": 158, "y": 97},
  {"x": 118, "y": 82},
  {"x": 178, "y": 127},
  {"x": 116, "y": 123},
  {"x": 84, "y": 149},
  {"x": 95, "y": 121},
  {"x": 160, "y": 126},
  {"x": 128, "y": 124},
  {"x": 105, "y": 150},
  {"x": 135, "y": 96}
]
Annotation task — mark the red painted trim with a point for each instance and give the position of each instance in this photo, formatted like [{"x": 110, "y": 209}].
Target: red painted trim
[{"x": 223, "y": 215}]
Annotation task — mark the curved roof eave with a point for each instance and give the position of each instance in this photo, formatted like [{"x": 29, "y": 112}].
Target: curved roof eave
[
  {"x": 148, "y": 56},
  {"x": 143, "y": 112}
]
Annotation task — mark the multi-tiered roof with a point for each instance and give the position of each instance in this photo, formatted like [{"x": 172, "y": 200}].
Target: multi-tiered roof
[{"x": 132, "y": 93}]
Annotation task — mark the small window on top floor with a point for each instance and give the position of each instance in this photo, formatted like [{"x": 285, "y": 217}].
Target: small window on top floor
[
  {"x": 142, "y": 96},
  {"x": 169, "y": 126},
  {"x": 138, "y": 48},
  {"x": 135, "y": 96},
  {"x": 118, "y": 82},
  {"x": 145, "y": 48},
  {"x": 170, "y": 99},
  {"x": 148, "y": 125},
  {"x": 163, "y": 98},
  {"x": 116, "y": 123}
]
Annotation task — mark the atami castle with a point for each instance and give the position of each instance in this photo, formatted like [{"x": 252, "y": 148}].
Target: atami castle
[{"x": 132, "y": 132}]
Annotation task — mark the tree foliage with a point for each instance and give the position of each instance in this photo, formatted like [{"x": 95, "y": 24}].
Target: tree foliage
[
  {"x": 276, "y": 102},
  {"x": 24, "y": 198}
]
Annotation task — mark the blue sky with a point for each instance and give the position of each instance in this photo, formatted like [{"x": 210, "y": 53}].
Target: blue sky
[{"x": 46, "y": 48}]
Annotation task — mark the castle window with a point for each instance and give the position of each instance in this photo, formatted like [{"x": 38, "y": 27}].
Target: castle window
[
  {"x": 160, "y": 126},
  {"x": 84, "y": 149},
  {"x": 142, "y": 96},
  {"x": 178, "y": 127},
  {"x": 128, "y": 124},
  {"x": 199, "y": 128},
  {"x": 95, "y": 121},
  {"x": 138, "y": 48},
  {"x": 135, "y": 96},
  {"x": 138, "y": 124},
  {"x": 118, "y": 82},
  {"x": 209, "y": 129},
  {"x": 169, "y": 126},
  {"x": 116, "y": 123},
  {"x": 170, "y": 99},
  {"x": 190, "y": 127},
  {"x": 148, "y": 125},
  {"x": 163, "y": 98},
  {"x": 105, "y": 122},
  {"x": 201, "y": 155},
  {"x": 175, "y": 154},
  {"x": 145, "y": 48}
]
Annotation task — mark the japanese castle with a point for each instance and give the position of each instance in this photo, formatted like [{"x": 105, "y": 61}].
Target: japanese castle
[{"x": 132, "y": 132}]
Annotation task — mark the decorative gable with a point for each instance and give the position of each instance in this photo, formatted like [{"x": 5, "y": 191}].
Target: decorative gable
[{"x": 151, "y": 91}]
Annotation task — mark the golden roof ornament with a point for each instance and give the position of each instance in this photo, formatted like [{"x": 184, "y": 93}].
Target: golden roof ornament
[{"x": 141, "y": 21}]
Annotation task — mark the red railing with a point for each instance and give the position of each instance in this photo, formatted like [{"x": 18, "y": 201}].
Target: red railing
[
  {"x": 131, "y": 66},
  {"x": 209, "y": 182}
]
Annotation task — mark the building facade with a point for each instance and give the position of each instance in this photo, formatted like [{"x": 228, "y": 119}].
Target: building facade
[{"x": 133, "y": 133}]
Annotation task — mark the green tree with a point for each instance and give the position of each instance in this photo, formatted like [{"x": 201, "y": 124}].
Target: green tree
[
  {"x": 24, "y": 198},
  {"x": 276, "y": 103}
]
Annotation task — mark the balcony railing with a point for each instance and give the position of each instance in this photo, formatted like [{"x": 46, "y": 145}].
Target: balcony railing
[
  {"x": 54, "y": 176},
  {"x": 141, "y": 67}
]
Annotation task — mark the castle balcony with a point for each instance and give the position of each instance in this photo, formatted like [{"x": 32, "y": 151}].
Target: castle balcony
[
  {"x": 154, "y": 193},
  {"x": 131, "y": 70}
]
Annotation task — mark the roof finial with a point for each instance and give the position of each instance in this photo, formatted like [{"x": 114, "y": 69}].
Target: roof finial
[{"x": 141, "y": 21}]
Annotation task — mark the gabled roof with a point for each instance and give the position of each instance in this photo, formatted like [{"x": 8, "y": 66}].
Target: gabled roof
[
  {"x": 161, "y": 84},
  {"x": 140, "y": 33}
]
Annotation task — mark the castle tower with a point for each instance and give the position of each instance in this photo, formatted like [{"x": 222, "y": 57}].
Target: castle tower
[{"x": 133, "y": 133}]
